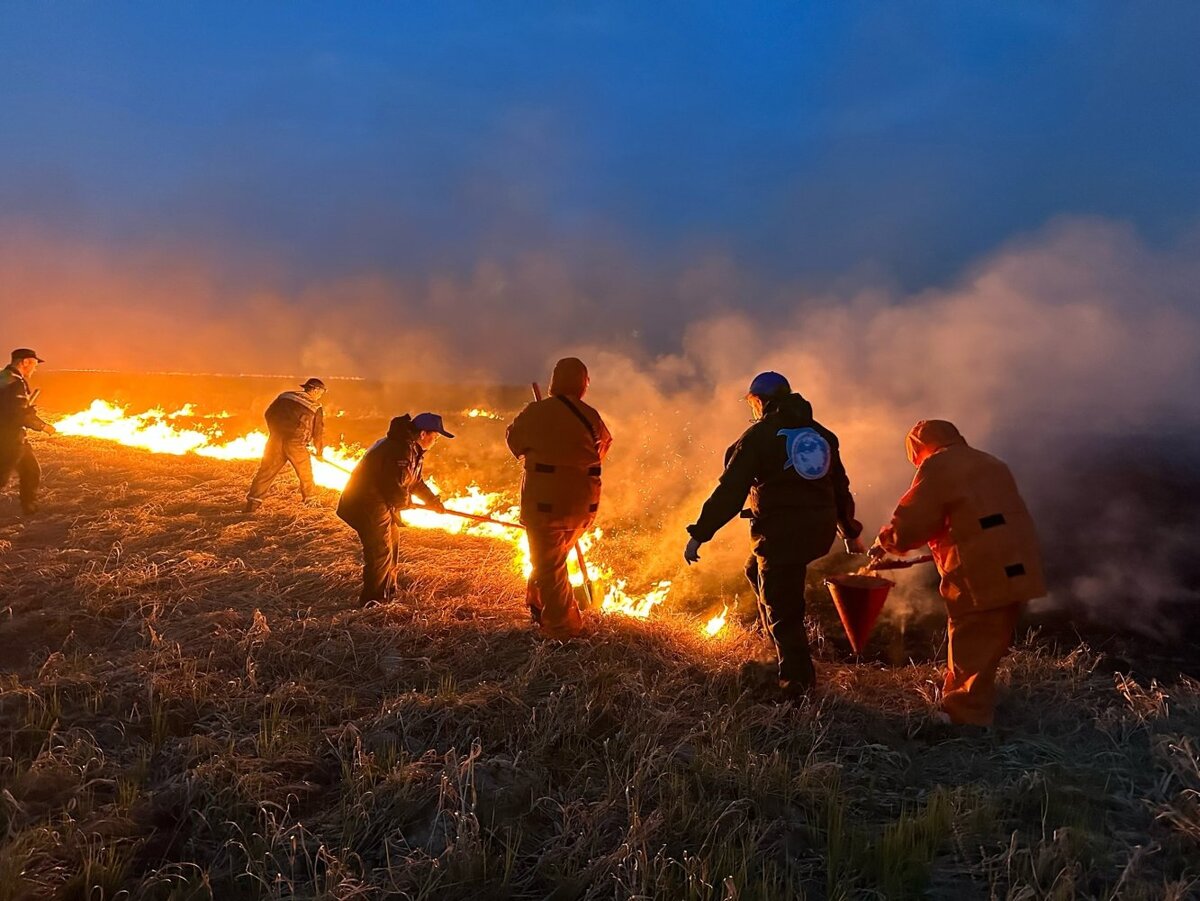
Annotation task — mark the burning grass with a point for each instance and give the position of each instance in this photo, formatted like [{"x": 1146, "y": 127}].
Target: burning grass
[
  {"x": 196, "y": 709},
  {"x": 187, "y": 432}
]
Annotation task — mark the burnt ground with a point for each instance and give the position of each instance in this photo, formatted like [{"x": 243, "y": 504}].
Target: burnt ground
[{"x": 195, "y": 708}]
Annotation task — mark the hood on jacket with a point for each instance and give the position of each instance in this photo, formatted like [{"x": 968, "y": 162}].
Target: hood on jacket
[
  {"x": 302, "y": 399},
  {"x": 794, "y": 404},
  {"x": 402, "y": 427},
  {"x": 570, "y": 377},
  {"x": 928, "y": 437}
]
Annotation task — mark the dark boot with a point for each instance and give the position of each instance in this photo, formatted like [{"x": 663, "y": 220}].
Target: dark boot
[
  {"x": 757, "y": 677},
  {"x": 796, "y": 689}
]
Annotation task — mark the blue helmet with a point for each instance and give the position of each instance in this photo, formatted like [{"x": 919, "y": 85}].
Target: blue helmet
[{"x": 769, "y": 384}]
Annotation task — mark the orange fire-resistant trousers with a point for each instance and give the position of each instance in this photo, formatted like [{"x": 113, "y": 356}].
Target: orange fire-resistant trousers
[
  {"x": 978, "y": 642},
  {"x": 549, "y": 594}
]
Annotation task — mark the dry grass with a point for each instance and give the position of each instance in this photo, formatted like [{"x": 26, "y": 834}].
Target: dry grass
[{"x": 195, "y": 709}]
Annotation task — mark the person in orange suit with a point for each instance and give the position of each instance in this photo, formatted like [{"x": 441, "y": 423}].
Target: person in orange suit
[
  {"x": 562, "y": 443},
  {"x": 965, "y": 505}
]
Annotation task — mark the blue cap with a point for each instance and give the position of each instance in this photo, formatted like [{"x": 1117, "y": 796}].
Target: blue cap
[
  {"x": 430, "y": 422},
  {"x": 769, "y": 384}
]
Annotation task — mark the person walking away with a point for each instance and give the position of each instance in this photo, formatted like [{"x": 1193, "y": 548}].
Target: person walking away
[
  {"x": 791, "y": 468},
  {"x": 17, "y": 414},
  {"x": 965, "y": 505},
  {"x": 295, "y": 420},
  {"x": 562, "y": 443},
  {"x": 382, "y": 484}
]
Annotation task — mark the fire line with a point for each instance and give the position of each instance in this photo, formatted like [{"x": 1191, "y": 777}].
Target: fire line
[{"x": 477, "y": 511}]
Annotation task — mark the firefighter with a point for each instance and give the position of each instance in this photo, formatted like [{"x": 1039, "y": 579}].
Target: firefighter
[
  {"x": 382, "y": 484},
  {"x": 562, "y": 443},
  {"x": 965, "y": 505},
  {"x": 295, "y": 420},
  {"x": 17, "y": 413},
  {"x": 791, "y": 468}
]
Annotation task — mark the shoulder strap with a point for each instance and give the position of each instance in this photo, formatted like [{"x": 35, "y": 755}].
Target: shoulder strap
[
  {"x": 579, "y": 415},
  {"x": 297, "y": 398}
]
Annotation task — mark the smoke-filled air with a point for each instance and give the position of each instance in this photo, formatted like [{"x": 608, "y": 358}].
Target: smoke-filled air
[
  {"x": 1067, "y": 351},
  {"x": 487, "y": 451}
]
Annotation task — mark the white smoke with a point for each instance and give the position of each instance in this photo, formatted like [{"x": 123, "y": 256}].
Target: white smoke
[{"x": 1047, "y": 352}]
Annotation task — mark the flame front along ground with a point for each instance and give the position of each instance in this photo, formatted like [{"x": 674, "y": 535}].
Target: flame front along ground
[{"x": 156, "y": 431}]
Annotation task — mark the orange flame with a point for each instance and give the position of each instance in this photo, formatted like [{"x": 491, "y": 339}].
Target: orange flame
[
  {"x": 717, "y": 623},
  {"x": 155, "y": 431}
]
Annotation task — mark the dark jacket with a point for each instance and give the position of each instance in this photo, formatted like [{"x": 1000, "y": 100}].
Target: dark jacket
[
  {"x": 293, "y": 416},
  {"x": 789, "y": 465},
  {"x": 17, "y": 413},
  {"x": 388, "y": 475}
]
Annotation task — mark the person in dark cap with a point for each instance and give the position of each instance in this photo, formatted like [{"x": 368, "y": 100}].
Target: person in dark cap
[
  {"x": 562, "y": 443},
  {"x": 295, "y": 420},
  {"x": 382, "y": 484},
  {"x": 790, "y": 466},
  {"x": 17, "y": 413}
]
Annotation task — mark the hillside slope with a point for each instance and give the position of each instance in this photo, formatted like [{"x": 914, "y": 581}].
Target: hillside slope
[{"x": 196, "y": 708}]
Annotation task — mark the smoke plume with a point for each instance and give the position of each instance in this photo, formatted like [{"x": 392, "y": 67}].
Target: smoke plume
[{"x": 1070, "y": 353}]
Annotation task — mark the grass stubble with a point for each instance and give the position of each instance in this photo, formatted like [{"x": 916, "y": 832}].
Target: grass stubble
[{"x": 195, "y": 708}]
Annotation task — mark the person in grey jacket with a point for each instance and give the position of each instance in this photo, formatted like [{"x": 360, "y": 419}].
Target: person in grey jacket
[{"x": 295, "y": 420}]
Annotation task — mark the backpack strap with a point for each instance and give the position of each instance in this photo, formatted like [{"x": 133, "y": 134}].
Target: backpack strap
[{"x": 579, "y": 415}]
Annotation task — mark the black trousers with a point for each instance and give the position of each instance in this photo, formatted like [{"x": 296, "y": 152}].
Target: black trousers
[
  {"x": 19, "y": 459},
  {"x": 379, "y": 530},
  {"x": 784, "y": 544},
  {"x": 277, "y": 455}
]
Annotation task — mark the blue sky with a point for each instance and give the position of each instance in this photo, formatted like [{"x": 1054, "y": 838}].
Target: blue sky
[{"x": 802, "y": 139}]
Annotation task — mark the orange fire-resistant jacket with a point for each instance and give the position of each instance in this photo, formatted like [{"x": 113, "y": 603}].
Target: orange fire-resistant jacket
[
  {"x": 965, "y": 505},
  {"x": 562, "y": 442}
]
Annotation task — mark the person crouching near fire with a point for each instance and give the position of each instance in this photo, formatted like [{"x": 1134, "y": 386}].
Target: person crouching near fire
[
  {"x": 965, "y": 505},
  {"x": 17, "y": 413},
  {"x": 791, "y": 468},
  {"x": 295, "y": 420},
  {"x": 562, "y": 442},
  {"x": 382, "y": 484}
]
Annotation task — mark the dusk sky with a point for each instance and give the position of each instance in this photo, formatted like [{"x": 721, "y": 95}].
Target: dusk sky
[{"x": 802, "y": 139}]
